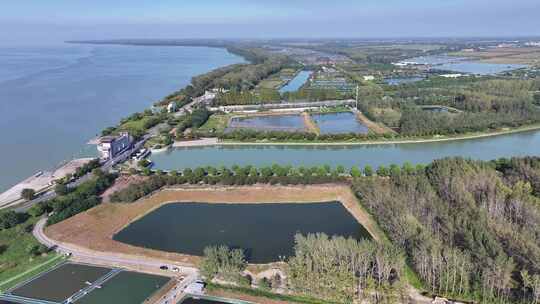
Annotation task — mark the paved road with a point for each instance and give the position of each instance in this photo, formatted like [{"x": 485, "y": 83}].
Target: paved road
[
  {"x": 102, "y": 257},
  {"x": 105, "y": 167}
]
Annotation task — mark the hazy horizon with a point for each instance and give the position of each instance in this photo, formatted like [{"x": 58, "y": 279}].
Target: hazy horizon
[{"x": 38, "y": 22}]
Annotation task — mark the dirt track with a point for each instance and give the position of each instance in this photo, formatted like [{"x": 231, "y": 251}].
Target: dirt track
[{"x": 95, "y": 228}]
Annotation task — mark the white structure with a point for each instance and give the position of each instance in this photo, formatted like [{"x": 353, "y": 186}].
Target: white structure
[
  {"x": 369, "y": 78},
  {"x": 171, "y": 107},
  {"x": 452, "y": 75},
  {"x": 195, "y": 288},
  {"x": 110, "y": 146}
]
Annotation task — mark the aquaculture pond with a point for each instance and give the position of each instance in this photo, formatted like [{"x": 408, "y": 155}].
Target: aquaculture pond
[
  {"x": 264, "y": 231},
  {"x": 402, "y": 80},
  {"x": 192, "y": 300},
  {"x": 465, "y": 65},
  {"x": 488, "y": 148},
  {"x": 60, "y": 283},
  {"x": 268, "y": 123},
  {"x": 337, "y": 123},
  {"x": 126, "y": 288},
  {"x": 296, "y": 83}
]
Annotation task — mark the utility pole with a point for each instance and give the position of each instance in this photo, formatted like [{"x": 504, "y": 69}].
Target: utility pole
[{"x": 357, "y": 88}]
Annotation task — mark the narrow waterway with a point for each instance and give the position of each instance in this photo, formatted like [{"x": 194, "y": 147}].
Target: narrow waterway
[{"x": 516, "y": 144}]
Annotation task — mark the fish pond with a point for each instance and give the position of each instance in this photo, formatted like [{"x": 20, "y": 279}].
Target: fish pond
[
  {"x": 289, "y": 123},
  {"x": 264, "y": 231},
  {"x": 338, "y": 123},
  {"x": 296, "y": 83},
  {"x": 465, "y": 65},
  {"x": 126, "y": 288},
  {"x": 403, "y": 80},
  {"x": 60, "y": 283}
]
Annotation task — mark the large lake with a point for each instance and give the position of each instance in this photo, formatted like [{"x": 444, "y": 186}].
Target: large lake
[
  {"x": 517, "y": 144},
  {"x": 264, "y": 231},
  {"x": 54, "y": 99}
]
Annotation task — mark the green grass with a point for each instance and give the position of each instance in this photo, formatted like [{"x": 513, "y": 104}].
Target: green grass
[
  {"x": 266, "y": 294},
  {"x": 217, "y": 122},
  {"x": 15, "y": 258}
]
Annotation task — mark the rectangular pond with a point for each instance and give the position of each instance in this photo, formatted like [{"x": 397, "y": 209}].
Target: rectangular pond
[
  {"x": 290, "y": 123},
  {"x": 264, "y": 231},
  {"x": 296, "y": 83},
  {"x": 465, "y": 65},
  {"x": 339, "y": 123},
  {"x": 60, "y": 283},
  {"x": 126, "y": 288},
  {"x": 191, "y": 300}
]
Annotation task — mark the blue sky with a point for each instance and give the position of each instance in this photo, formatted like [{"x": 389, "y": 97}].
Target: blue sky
[{"x": 57, "y": 20}]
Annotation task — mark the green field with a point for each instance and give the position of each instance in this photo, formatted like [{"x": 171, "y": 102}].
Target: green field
[
  {"x": 17, "y": 262},
  {"x": 216, "y": 123}
]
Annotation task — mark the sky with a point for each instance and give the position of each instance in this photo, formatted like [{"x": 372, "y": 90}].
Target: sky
[{"x": 52, "y": 21}]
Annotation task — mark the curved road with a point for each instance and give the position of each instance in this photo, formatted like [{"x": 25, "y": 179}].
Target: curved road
[{"x": 103, "y": 257}]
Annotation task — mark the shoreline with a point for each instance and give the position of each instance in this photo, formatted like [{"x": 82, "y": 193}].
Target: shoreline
[{"x": 216, "y": 142}]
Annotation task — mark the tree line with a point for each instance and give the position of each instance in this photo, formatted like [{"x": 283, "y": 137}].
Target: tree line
[
  {"x": 469, "y": 228},
  {"x": 250, "y": 175}
]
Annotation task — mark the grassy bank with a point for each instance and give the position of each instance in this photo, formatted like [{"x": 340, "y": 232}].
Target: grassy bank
[
  {"x": 18, "y": 259},
  {"x": 239, "y": 291},
  {"x": 388, "y": 141}
]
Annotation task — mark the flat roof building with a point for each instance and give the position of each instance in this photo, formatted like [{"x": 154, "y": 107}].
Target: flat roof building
[{"x": 111, "y": 146}]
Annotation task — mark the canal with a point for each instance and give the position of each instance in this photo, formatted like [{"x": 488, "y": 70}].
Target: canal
[{"x": 488, "y": 148}]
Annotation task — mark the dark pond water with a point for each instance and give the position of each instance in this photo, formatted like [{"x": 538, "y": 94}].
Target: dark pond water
[
  {"x": 126, "y": 288},
  {"x": 61, "y": 283},
  {"x": 336, "y": 123},
  {"x": 296, "y": 83},
  {"x": 269, "y": 123},
  {"x": 265, "y": 231},
  {"x": 200, "y": 301},
  {"x": 517, "y": 144}
]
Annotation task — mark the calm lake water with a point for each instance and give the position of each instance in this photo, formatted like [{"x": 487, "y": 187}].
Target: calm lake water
[
  {"x": 54, "y": 99},
  {"x": 296, "y": 83},
  {"x": 518, "y": 144},
  {"x": 190, "y": 227},
  {"x": 269, "y": 123},
  {"x": 336, "y": 123}
]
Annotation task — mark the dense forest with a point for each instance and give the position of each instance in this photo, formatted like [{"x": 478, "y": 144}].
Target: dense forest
[
  {"x": 469, "y": 229},
  {"x": 481, "y": 105}
]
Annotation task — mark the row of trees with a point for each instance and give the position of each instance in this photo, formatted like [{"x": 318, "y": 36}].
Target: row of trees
[
  {"x": 345, "y": 270},
  {"x": 82, "y": 198},
  {"x": 251, "y": 135},
  {"x": 468, "y": 228},
  {"x": 250, "y": 175}
]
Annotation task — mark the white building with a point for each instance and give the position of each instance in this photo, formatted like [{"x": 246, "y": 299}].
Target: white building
[
  {"x": 111, "y": 146},
  {"x": 171, "y": 107}
]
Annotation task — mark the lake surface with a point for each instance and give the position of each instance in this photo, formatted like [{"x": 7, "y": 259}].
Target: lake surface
[
  {"x": 269, "y": 123},
  {"x": 54, "y": 99},
  {"x": 338, "y": 123},
  {"x": 296, "y": 83},
  {"x": 517, "y": 144},
  {"x": 265, "y": 231}
]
